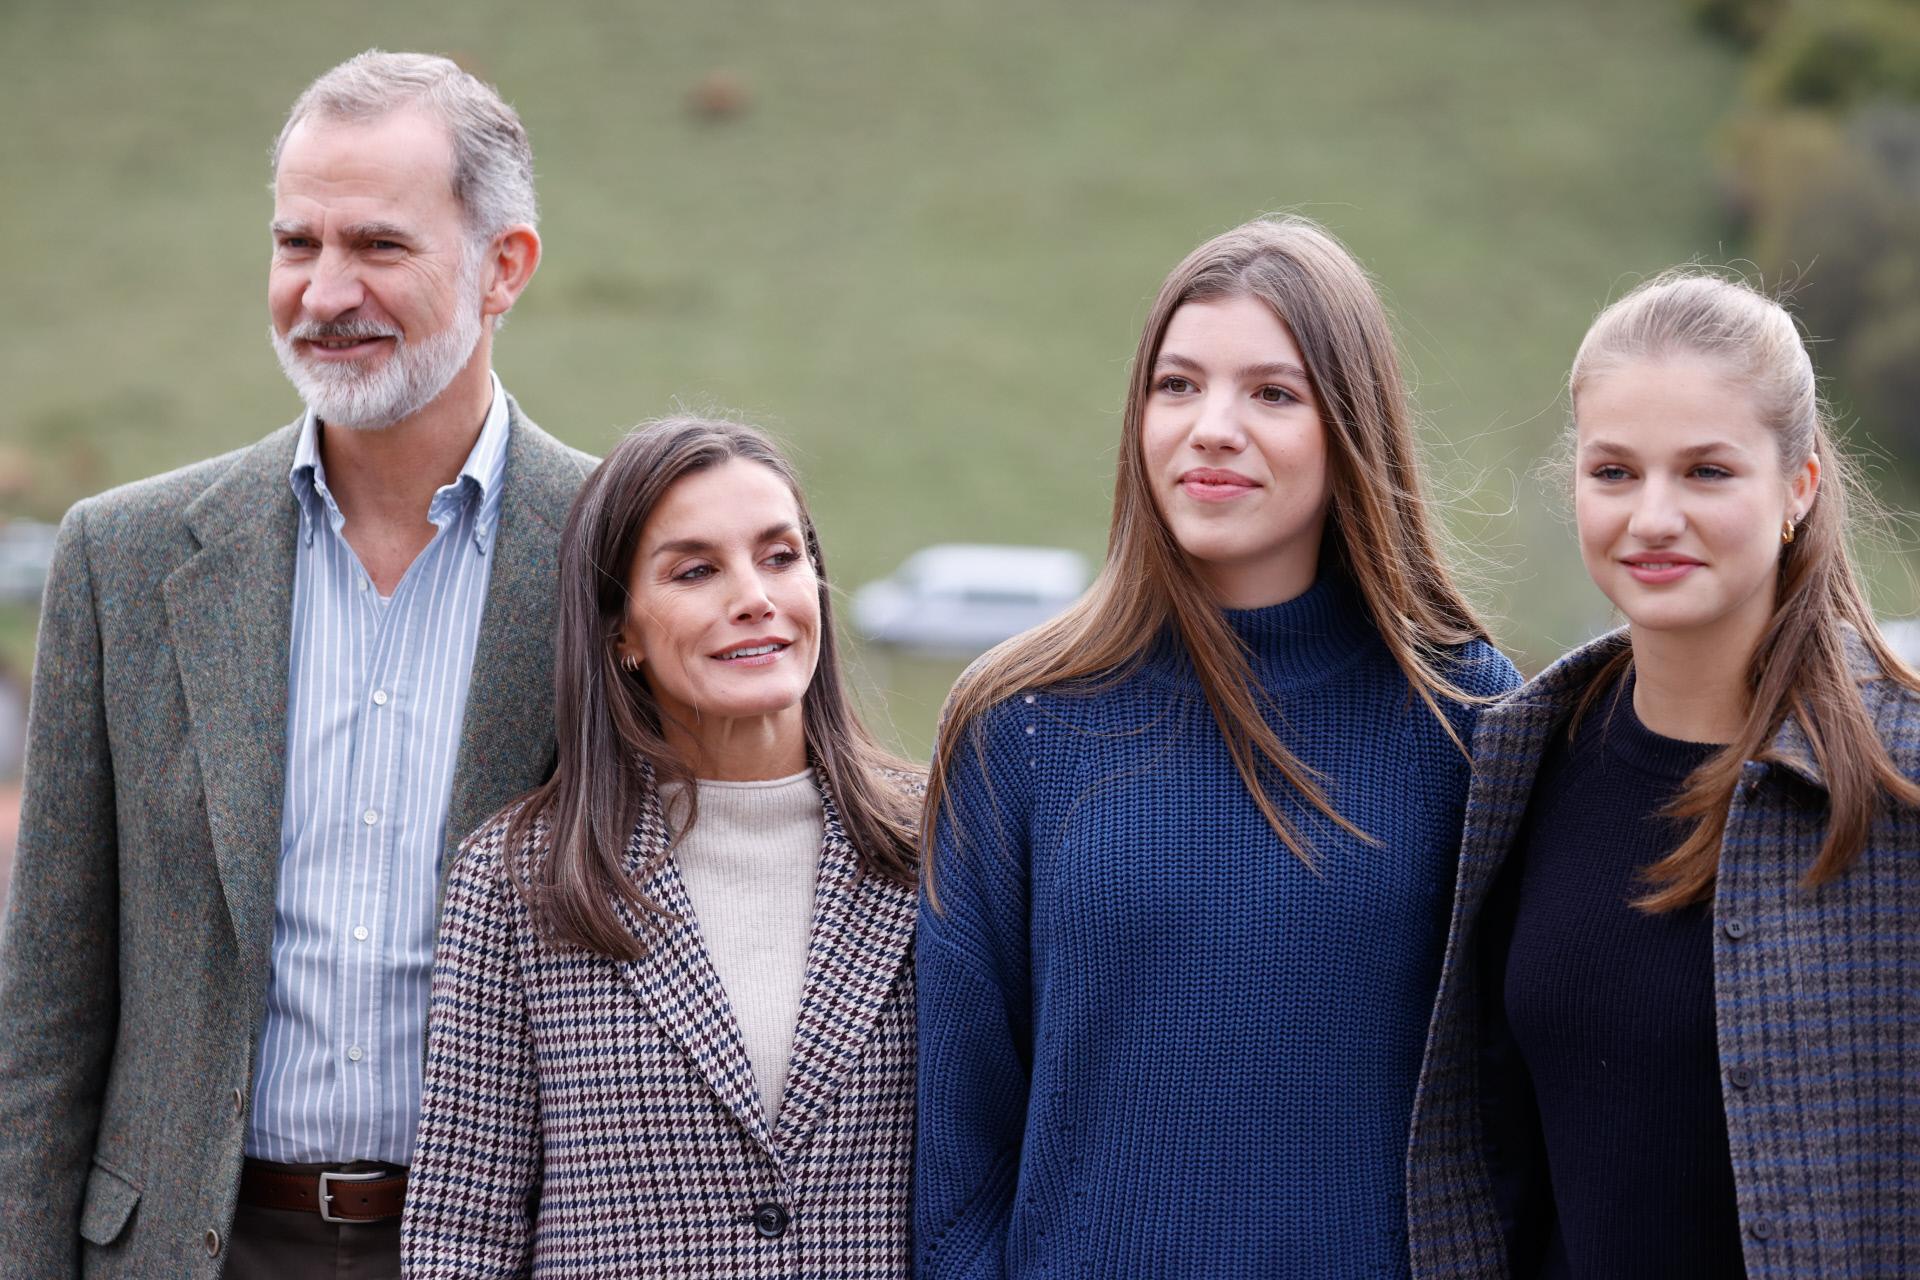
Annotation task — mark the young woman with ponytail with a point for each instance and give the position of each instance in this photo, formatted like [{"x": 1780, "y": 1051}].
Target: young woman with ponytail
[
  {"x": 1676, "y": 1033},
  {"x": 1193, "y": 840}
]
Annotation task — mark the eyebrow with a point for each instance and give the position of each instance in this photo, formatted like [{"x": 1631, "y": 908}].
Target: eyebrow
[
  {"x": 686, "y": 546},
  {"x": 1275, "y": 369},
  {"x": 357, "y": 233},
  {"x": 1691, "y": 452}
]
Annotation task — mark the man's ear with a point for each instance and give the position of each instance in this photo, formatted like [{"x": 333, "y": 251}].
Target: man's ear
[{"x": 508, "y": 265}]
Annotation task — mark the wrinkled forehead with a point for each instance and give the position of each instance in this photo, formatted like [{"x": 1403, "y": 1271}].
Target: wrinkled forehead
[{"x": 401, "y": 160}]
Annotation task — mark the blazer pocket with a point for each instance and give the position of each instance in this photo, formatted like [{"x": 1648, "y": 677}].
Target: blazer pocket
[{"x": 109, "y": 1204}]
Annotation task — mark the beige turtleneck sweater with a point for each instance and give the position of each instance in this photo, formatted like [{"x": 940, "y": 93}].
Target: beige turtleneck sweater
[{"x": 750, "y": 864}]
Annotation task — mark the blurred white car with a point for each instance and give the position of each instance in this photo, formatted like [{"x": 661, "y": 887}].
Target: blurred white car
[
  {"x": 1904, "y": 635},
  {"x": 964, "y": 598},
  {"x": 26, "y": 553}
]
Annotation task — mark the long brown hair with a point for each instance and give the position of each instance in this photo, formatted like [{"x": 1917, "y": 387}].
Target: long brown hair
[
  {"x": 1377, "y": 525},
  {"x": 1801, "y": 667},
  {"x": 607, "y": 725}
]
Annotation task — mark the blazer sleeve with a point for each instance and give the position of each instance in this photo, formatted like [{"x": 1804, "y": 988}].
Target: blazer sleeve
[
  {"x": 59, "y": 972},
  {"x": 477, "y": 1161},
  {"x": 972, "y": 967}
]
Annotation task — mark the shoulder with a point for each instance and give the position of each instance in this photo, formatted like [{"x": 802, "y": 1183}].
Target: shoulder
[
  {"x": 1532, "y": 709},
  {"x": 502, "y": 846},
  {"x": 1895, "y": 709},
  {"x": 129, "y": 538},
  {"x": 1482, "y": 670},
  {"x": 166, "y": 498},
  {"x": 539, "y": 460},
  {"x": 910, "y": 782}
]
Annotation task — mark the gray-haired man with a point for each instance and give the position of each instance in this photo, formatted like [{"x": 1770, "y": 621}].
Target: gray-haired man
[{"x": 273, "y": 691}]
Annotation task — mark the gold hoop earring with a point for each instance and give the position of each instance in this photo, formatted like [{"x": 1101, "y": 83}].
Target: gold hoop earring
[{"x": 1786, "y": 531}]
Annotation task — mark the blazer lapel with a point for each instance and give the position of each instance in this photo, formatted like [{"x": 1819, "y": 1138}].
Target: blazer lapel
[
  {"x": 1508, "y": 744},
  {"x": 229, "y": 610},
  {"x": 506, "y": 740},
  {"x": 862, "y": 931},
  {"x": 675, "y": 981}
]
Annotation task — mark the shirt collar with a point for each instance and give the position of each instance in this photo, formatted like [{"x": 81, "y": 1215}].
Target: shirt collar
[{"x": 485, "y": 468}]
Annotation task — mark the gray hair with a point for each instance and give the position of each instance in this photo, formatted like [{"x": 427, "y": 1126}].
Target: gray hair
[{"x": 492, "y": 159}]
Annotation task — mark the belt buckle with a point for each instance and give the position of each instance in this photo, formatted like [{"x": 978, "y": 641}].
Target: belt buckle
[{"x": 326, "y": 1195}]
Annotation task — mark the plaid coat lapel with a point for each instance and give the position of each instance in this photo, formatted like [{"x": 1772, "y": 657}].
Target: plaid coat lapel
[
  {"x": 862, "y": 931},
  {"x": 675, "y": 980},
  {"x": 1451, "y": 1222},
  {"x": 1508, "y": 743}
]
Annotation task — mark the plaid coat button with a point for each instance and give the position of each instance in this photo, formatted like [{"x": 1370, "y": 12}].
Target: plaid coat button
[{"x": 770, "y": 1220}]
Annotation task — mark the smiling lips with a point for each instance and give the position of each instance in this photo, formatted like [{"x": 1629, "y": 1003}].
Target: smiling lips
[
  {"x": 754, "y": 653},
  {"x": 1654, "y": 570},
  {"x": 1211, "y": 484},
  {"x": 339, "y": 340}
]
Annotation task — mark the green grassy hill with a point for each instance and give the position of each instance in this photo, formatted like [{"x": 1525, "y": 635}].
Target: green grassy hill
[{"x": 921, "y": 253}]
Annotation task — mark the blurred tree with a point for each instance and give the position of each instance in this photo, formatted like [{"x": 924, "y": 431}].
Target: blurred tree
[
  {"x": 1837, "y": 54},
  {"x": 1745, "y": 22},
  {"x": 1824, "y": 179}
]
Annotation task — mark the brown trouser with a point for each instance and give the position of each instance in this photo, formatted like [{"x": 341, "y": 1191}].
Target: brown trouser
[{"x": 298, "y": 1244}]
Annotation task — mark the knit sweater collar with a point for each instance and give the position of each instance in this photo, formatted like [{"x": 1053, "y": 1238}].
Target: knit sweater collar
[
  {"x": 1629, "y": 740},
  {"x": 1295, "y": 642}
]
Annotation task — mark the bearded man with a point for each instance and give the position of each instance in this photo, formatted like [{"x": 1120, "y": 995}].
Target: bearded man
[{"x": 273, "y": 692}]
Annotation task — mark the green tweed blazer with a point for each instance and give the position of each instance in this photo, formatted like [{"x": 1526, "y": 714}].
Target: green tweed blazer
[{"x": 134, "y": 963}]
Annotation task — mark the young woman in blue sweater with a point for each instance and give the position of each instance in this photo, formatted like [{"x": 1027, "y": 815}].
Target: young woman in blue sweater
[{"x": 1192, "y": 842}]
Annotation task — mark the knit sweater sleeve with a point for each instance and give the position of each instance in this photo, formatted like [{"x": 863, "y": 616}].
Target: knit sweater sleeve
[{"x": 975, "y": 1005}]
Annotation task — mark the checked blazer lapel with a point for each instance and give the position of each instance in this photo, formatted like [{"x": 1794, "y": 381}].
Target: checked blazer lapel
[
  {"x": 862, "y": 929},
  {"x": 675, "y": 980},
  {"x": 229, "y": 612}
]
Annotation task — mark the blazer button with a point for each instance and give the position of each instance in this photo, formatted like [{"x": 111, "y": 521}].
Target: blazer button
[
  {"x": 1734, "y": 928},
  {"x": 1740, "y": 1077},
  {"x": 1761, "y": 1229},
  {"x": 213, "y": 1243},
  {"x": 770, "y": 1220},
  {"x": 239, "y": 1102}
]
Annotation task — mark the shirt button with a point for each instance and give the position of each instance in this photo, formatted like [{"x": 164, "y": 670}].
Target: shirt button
[
  {"x": 379, "y": 697},
  {"x": 356, "y": 1053},
  {"x": 363, "y": 584},
  {"x": 370, "y": 817},
  {"x": 1735, "y": 928},
  {"x": 213, "y": 1243},
  {"x": 1740, "y": 1077},
  {"x": 770, "y": 1220},
  {"x": 359, "y": 933}
]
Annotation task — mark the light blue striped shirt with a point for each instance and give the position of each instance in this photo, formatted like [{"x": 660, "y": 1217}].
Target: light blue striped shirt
[{"x": 376, "y": 692}]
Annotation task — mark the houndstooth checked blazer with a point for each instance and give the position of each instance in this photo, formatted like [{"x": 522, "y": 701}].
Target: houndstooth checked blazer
[
  {"x": 589, "y": 1117},
  {"x": 1816, "y": 1000}
]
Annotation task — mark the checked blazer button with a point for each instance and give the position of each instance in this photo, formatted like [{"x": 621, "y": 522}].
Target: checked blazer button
[{"x": 770, "y": 1220}]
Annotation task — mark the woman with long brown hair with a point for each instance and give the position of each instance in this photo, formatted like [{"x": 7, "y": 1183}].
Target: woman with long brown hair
[
  {"x": 1190, "y": 844},
  {"x": 672, "y": 1023},
  {"x": 1676, "y": 1035}
]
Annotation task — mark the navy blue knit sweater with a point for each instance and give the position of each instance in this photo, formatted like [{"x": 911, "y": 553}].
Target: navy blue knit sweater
[{"x": 1152, "y": 1042}]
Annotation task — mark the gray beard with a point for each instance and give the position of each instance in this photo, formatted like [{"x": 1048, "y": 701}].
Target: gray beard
[{"x": 412, "y": 377}]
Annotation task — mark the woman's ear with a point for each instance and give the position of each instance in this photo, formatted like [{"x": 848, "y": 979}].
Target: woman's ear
[{"x": 1802, "y": 487}]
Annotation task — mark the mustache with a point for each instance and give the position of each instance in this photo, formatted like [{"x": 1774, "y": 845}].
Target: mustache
[{"x": 338, "y": 331}]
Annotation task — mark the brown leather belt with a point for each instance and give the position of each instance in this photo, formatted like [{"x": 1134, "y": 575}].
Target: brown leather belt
[{"x": 336, "y": 1195}]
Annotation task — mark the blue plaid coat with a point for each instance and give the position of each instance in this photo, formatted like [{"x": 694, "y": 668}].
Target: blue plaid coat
[{"x": 1816, "y": 994}]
